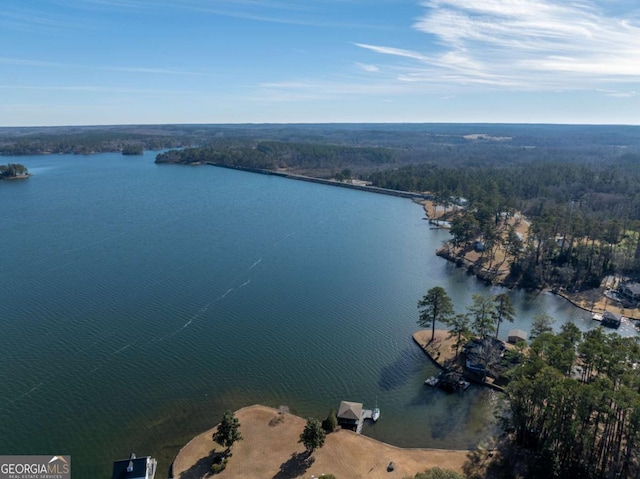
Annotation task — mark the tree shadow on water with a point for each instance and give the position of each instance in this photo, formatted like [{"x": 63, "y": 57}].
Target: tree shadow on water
[
  {"x": 295, "y": 466},
  {"x": 202, "y": 468},
  {"x": 396, "y": 374}
]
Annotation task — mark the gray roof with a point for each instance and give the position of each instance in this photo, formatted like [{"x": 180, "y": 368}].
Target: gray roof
[
  {"x": 134, "y": 468},
  {"x": 350, "y": 410},
  {"x": 632, "y": 287},
  {"x": 518, "y": 333},
  {"x": 608, "y": 315}
]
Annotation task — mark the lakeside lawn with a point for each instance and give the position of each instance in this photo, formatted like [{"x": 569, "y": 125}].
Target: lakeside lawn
[{"x": 270, "y": 449}]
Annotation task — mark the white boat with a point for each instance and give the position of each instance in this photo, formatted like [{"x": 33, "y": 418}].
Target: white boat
[
  {"x": 464, "y": 384},
  {"x": 375, "y": 414},
  {"x": 432, "y": 381}
]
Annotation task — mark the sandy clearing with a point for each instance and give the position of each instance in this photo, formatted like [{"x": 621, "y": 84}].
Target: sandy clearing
[{"x": 270, "y": 449}]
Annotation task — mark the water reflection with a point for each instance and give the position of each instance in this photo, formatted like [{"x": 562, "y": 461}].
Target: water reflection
[{"x": 396, "y": 374}]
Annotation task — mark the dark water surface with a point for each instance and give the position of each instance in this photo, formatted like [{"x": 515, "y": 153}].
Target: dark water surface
[{"x": 140, "y": 301}]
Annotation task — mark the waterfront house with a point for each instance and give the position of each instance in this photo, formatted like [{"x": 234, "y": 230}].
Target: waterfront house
[
  {"x": 135, "y": 468},
  {"x": 611, "y": 320},
  {"x": 483, "y": 356},
  {"x": 349, "y": 414},
  {"x": 516, "y": 335},
  {"x": 630, "y": 291}
]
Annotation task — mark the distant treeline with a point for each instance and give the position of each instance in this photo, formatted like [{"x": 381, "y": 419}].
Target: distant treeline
[
  {"x": 272, "y": 155},
  {"x": 84, "y": 142}
]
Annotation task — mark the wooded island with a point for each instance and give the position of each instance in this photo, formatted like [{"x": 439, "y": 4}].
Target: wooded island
[{"x": 13, "y": 171}]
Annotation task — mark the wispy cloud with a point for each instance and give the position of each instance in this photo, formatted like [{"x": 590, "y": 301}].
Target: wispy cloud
[
  {"x": 619, "y": 94},
  {"x": 30, "y": 63},
  {"x": 393, "y": 51},
  {"x": 77, "y": 66},
  {"x": 95, "y": 89},
  {"x": 308, "y": 90},
  {"x": 368, "y": 68},
  {"x": 290, "y": 12},
  {"x": 522, "y": 44},
  {"x": 154, "y": 71},
  {"x": 29, "y": 19}
]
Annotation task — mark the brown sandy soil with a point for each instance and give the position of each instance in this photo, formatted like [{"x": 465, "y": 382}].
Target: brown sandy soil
[
  {"x": 441, "y": 349},
  {"x": 499, "y": 264},
  {"x": 594, "y": 301},
  {"x": 270, "y": 449}
]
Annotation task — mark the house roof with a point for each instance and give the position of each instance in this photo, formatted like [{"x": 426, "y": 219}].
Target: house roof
[
  {"x": 350, "y": 410},
  {"x": 632, "y": 287},
  {"x": 134, "y": 468},
  {"x": 609, "y": 316},
  {"x": 517, "y": 333}
]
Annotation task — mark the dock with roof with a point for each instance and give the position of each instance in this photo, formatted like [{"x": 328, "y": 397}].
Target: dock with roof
[{"x": 351, "y": 415}]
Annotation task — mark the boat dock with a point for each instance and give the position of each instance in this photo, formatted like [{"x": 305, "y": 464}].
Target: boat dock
[{"x": 366, "y": 414}]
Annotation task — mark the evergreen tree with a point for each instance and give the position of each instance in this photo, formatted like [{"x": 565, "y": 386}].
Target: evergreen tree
[
  {"x": 435, "y": 306},
  {"x": 459, "y": 329},
  {"x": 482, "y": 312},
  {"x": 228, "y": 431},
  {"x": 504, "y": 310},
  {"x": 331, "y": 422},
  {"x": 313, "y": 435}
]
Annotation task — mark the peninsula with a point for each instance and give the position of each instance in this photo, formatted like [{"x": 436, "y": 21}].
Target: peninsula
[{"x": 270, "y": 448}]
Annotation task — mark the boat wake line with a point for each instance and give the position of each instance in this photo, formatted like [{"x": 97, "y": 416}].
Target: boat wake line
[{"x": 238, "y": 281}]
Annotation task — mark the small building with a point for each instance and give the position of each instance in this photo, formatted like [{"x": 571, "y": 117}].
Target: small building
[
  {"x": 349, "y": 414},
  {"x": 630, "y": 291},
  {"x": 611, "y": 320},
  {"x": 135, "y": 468},
  {"x": 481, "y": 355},
  {"x": 516, "y": 335},
  {"x": 459, "y": 201},
  {"x": 476, "y": 368}
]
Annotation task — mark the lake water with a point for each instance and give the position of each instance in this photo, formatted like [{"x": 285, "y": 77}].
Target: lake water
[{"x": 140, "y": 301}]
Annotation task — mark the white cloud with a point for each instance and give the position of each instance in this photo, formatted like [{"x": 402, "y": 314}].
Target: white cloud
[
  {"x": 393, "y": 51},
  {"x": 522, "y": 44},
  {"x": 368, "y": 68},
  {"x": 619, "y": 94}
]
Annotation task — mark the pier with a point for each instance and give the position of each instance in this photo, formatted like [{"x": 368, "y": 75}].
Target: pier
[{"x": 366, "y": 414}]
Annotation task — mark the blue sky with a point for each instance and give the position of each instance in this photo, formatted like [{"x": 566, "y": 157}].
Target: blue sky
[{"x": 78, "y": 62}]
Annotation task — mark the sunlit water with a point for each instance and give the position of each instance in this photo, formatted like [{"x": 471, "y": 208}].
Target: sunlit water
[{"x": 140, "y": 301}]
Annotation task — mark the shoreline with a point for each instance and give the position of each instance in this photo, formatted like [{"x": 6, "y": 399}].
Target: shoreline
[
  {"x": 323, "y": 181},
  {"x": 591, "y": 301},
  {"x": 270, "y": 448},
  {"x": 18, "y": 177}
]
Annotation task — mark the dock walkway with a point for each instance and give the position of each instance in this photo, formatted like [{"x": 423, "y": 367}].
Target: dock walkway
[{"x": 366, "y": 414}]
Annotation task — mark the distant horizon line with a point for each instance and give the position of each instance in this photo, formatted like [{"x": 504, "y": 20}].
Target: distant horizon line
[{"x": 111, "y": 125}]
